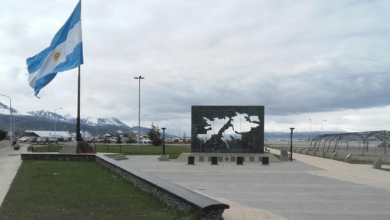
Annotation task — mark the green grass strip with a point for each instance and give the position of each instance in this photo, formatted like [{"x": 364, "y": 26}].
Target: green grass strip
[{"x": 79, "y": 190}]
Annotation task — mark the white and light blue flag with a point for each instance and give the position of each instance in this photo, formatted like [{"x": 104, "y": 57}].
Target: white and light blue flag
[{"x": 64, "y": 53}]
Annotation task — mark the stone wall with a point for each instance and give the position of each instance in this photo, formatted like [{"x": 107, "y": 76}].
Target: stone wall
[
  {"x": 61, "y": 157},
  {"x": 169, "y": 193},
  {"x": 172, "y": 194}
]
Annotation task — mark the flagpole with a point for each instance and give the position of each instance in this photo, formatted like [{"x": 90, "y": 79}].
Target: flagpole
[
  {"x": 78, "y": 135},
  {"x": 78, "y": 130}
]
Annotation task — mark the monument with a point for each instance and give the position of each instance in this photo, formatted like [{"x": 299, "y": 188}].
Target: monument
[{"x": 250, "y": 142}]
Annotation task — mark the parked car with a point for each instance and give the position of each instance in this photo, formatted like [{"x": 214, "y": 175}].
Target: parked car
[
  {"x": 188, "y": 141},
  {"x": 146, "y": 141},
  {"x": 113, "y": 139},
  {"x": 177, "y": 141},
  {"x": 383, "y": 144},
  {"x": 23, "y": 139},
  {"x": 42, "y": 140},
  {"x": 53, "y": 140}
]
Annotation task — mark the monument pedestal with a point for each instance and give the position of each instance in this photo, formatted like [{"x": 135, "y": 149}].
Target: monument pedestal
[{"x": 163, "y": 158}]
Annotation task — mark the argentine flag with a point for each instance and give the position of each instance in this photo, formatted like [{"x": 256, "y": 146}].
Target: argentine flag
[{"x": 64, "y": 53}]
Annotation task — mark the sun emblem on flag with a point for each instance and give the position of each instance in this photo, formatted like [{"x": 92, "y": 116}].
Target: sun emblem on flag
[{"x": 56, "y": 55}]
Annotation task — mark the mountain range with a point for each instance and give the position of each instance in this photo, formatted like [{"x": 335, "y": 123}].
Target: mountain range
[{"x": 46, "y": 120}]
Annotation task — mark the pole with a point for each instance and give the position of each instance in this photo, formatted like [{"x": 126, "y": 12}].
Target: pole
[
  {"x": 163, "y": 140},
  {"x": 55, "y": 123},
  {"x": 139, "y": 106},
  {"x": 143, "y": 124},
  {"x": 291, "y": 152},
  {"x": 10, "y": 117},
  {"x": 310, "y": 130},
  {"x": 78, "y": 135},
  {"x": 322, "y": 127}
]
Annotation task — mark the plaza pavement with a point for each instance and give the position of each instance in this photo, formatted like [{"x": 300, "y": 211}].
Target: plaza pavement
[{"x": 307, "y": 188}]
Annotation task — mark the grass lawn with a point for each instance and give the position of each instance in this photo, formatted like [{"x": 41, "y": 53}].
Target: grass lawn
[
  {"x": 173, "y": 150},
  {"x": 79, "y": 190},
  {"x": 45, "y": 148}
]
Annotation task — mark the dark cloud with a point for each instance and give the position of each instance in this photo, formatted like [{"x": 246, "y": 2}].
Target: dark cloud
[{"x": 296, "y": 58}]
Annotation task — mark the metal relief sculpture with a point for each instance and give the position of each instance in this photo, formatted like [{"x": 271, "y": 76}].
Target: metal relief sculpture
[{"x": 250, "y": 142}]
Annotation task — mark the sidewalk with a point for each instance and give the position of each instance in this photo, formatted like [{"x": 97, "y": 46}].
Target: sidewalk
[
  {"x": 9, "y": 164},
  {"x": 307, "y": 188},
  {"x": 356, "y": 173}
]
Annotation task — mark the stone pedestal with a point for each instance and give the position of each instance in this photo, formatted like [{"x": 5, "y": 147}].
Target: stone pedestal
[
  {"x": 284, "y": 155},
  {"x": 377, "y": 163},
  {"x": 348, "y": 158},
  {"x": 191, "y": 160},
  {"x": 240, "y": 161},
  {"x": 334, "y": 156},
  {"x": 163, "y": 158}
]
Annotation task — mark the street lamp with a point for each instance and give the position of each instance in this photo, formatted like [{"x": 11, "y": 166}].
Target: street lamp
[
  {"x": 97, "y": 139},
  {"x": 310, "y": 130},
  {"x": 10, "y": 117},
  {"x": 139, "y": 105},
  {"x": 143, "y": 123},
  {"x": 291, "y": 151},
  {"x": 163, "y": 140},
  {"x": 322, "y": 127},
  {"x": 55, "y": 123}
]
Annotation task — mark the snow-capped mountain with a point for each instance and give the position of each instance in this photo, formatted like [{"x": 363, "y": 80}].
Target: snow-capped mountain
[
  {"x": 83, "y": 120},
  {"x": 4, "y": 110},
  {"x": 51, "y": 116}
]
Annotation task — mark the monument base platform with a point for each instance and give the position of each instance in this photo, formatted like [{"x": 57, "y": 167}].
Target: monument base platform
[{"x": 227, "y": 157}]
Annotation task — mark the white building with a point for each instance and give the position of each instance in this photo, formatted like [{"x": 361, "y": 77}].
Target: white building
[{"x": 56, "y": 134}]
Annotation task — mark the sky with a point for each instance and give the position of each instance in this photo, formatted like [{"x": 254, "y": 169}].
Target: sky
[{"x": 305, "y": 61}]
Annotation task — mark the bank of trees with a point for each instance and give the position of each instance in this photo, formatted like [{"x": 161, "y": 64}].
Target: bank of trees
[{"x": 155, "y": 135}]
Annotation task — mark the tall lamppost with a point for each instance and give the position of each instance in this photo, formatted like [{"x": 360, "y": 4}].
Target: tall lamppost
[
  {"x": 55, "y": 123},
  {"x": 139, "y": 105},
  {"x": 310, "y": 130},
  {"x": 143, "y": 123},
  {"x": 322, "y": 127},
  {"x": 163, "y": 140},
  {"x": 291, "y": 151},
  {"x": 10, "y": 117},
  {"x": 97, "y": 138}
]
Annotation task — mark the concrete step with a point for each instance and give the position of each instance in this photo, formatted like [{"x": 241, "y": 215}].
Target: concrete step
[
  {"x": 121, "y": 158},
  {"x": 116, "y": 156},
  {"x": 108, "y": 155}
]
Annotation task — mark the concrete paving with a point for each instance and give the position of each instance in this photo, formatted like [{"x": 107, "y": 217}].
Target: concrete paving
[
  {"x": 69, "y": 148},
  {"x": 315, "y": 188},
  {"x": 9, "y": 164},
  {"x": 305, "y": 189}
]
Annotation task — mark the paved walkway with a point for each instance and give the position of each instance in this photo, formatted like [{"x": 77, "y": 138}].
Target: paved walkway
[
  {"x": 69, "y": 148},
  {"x": 305, "y": 189},
  {"x": 9, "y": 164}
]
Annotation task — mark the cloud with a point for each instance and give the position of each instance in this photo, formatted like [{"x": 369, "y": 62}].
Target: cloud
[{"x": 295, "y": 58}]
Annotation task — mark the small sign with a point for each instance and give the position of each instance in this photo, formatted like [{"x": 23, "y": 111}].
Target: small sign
[{"x": 18, "y": 131}]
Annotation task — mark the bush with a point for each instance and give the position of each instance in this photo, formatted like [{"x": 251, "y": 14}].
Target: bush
[{"x": 130, "y": 140}]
